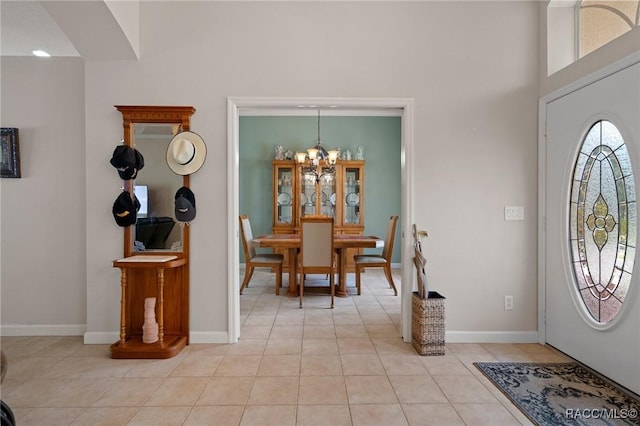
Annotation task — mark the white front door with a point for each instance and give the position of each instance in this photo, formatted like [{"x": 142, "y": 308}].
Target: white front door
[{"x": 584, "y": 330}]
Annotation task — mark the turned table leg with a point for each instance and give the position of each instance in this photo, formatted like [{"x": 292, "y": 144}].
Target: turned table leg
[
  {"x": 342, "y": 273},
  {"x": 123, "y": 306},
  {"x": 293, "y": 271},
  {"x": 160, "y": 306}
]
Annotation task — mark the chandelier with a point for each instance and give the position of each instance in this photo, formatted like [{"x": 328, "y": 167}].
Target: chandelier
[{"x": 321, "y": 161}]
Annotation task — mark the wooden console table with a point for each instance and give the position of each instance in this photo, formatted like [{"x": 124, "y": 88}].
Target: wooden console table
[{"x": 172, "y": 325}]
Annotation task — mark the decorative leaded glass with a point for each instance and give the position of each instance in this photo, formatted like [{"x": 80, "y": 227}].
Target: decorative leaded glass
[{"x": 603, "y": 221}]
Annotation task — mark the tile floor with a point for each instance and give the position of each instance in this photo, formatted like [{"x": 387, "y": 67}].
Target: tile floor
[{"x": 310, "y": 366}]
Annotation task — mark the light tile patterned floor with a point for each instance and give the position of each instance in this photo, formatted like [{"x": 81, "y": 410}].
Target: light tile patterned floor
[{"x": 310, "y": 366}]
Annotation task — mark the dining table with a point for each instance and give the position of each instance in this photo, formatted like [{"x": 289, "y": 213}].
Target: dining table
[{"x": 341, "y": 242}]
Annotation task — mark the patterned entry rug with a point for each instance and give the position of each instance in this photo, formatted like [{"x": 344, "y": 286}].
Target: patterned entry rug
[{"x": 563, "y": 394}]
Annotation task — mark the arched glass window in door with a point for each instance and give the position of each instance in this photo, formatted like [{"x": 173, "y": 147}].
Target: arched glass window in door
[{"x": 603, "y": 222}]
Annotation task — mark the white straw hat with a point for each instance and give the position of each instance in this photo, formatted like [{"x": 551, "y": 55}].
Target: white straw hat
[{"x": 186, "y": 153}]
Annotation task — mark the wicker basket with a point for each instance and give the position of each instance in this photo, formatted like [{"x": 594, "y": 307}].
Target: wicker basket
[{"x": 427, "y": 324}]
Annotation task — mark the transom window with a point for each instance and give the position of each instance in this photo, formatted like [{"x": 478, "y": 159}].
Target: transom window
[
  {"x": 602, "y": 222},
  {"x": 603, "y": 21}
]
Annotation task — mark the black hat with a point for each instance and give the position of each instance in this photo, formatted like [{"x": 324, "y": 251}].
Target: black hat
[
  {"x": 139, "y": 161},
  {"x": 127, "y": 160},
  {"x": 125, "y": 210},
  {"x": 185, "y": 208}
]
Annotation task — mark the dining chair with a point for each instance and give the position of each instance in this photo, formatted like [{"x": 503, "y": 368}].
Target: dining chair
[
  {"x": 253, "y": 259},
  {"x": 383, "y": 260},
  {"x": 316, "y": 250}
]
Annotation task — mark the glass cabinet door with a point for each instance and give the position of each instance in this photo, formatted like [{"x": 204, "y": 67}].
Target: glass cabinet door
[
  {"x": 317, "y": 198},
  {"x": 284, "y": 199},
  {"x": 328, "y": 195},
  {"x": 352, "y": 195},
  {"x": 308, "y": 194}
]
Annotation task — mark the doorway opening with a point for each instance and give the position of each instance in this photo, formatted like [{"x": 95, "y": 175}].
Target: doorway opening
[{"x": 268, "y": 106}]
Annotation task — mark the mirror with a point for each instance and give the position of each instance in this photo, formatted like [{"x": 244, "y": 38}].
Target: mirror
[
  {"x": 149, "y": 129},
  {"x": 155, "y": 187}
]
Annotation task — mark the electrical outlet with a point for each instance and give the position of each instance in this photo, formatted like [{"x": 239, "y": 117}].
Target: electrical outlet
[{"x": 508, "y": 303}]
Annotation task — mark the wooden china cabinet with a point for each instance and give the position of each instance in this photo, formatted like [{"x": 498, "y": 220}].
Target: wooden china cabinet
[{"x": 297, "y": 193}]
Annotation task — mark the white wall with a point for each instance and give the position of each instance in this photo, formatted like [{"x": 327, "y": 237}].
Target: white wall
[
  {"x": 127, "y": 13},
  {"x": 43, "y": 218},
  {"x": 471, "y": 68},
  {"x": 561, "y": 35}
]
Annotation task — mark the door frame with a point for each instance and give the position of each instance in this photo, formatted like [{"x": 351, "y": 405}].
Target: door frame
[
  {"x": 542, "y": 167},
  {"x": 234, "y": 107}
]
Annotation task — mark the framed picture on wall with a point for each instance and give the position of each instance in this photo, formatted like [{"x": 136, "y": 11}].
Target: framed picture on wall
[{"x": 9, "y": 153}]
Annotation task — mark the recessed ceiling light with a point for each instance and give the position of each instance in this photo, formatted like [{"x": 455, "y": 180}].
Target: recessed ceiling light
[{"x": 41, "y": 53}]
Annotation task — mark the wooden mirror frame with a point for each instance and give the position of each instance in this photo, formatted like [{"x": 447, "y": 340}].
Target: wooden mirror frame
[{"x": 132, "y": 114}]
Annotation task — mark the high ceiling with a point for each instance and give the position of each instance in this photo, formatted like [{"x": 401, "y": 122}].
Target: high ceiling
[
  {"x": 27, "y": 26},
  {"x": 87, "y": 29}
]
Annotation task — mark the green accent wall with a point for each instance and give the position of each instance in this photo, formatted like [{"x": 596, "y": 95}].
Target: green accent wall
[{"x": 380, "y": 137}]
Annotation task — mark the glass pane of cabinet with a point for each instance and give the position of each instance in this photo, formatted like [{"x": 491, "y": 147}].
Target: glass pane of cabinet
[
  {"x": 328, "y": 195},
  {"x": 352, "y": 195},
  {"x": 284, "y": 199},
  {"x": 308, "y": 195},
  {"x": 317, "y": 198}
]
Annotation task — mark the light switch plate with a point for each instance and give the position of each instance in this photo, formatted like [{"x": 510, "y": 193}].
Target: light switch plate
[{"x": 513, "y": 213}]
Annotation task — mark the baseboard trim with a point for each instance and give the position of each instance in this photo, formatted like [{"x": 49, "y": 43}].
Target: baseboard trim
[
  {"x": 98, "y": 337},
  {"x": 42, "y": 330},
  {"x": 491, "y": 337},
  {"x": 204, "y": 337}
]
